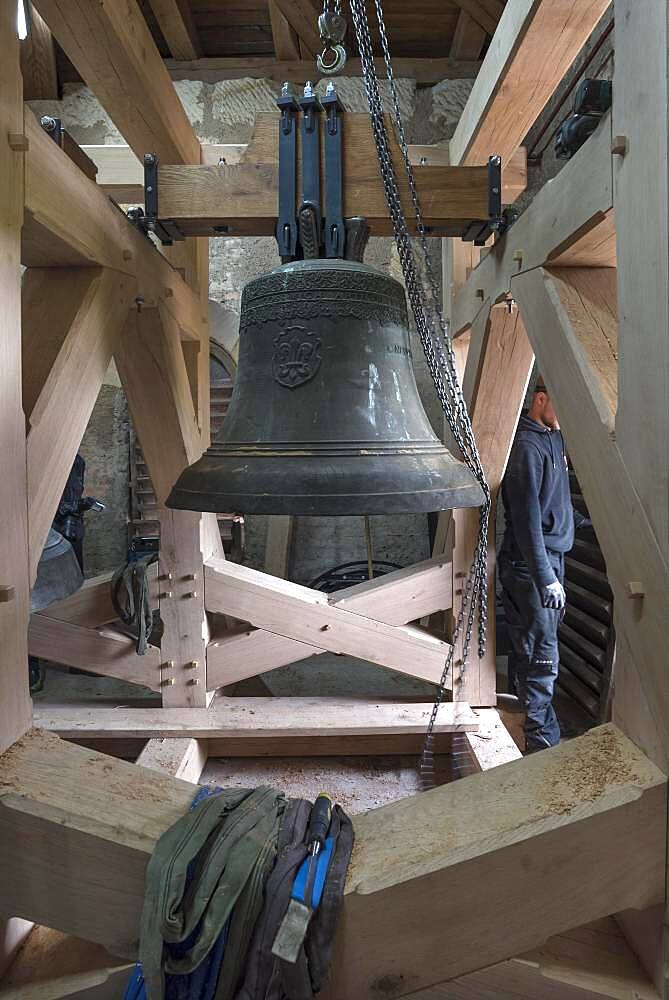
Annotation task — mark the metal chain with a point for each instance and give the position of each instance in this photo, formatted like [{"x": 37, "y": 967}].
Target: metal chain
[
  {"x": 437, "y": 348},
  {"x": 332, "y": 7}
]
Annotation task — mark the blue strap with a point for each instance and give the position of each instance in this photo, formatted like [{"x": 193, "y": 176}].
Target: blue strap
[{"x": 322, "y": 861}]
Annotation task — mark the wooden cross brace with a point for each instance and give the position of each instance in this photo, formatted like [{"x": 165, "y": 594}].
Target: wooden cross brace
[{"x": 292, "y": 622}]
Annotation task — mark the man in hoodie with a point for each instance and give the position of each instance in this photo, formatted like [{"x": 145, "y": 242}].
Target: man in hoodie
[{"x": 539, "y": 530}]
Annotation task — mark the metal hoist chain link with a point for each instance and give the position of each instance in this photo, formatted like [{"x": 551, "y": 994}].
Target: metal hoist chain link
[
  {"x": 332, "y": 7},
  {"x": 424, "y": 299}
]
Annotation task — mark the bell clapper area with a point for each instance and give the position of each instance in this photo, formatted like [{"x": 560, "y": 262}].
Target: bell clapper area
[{"x": 333, "y": 575}]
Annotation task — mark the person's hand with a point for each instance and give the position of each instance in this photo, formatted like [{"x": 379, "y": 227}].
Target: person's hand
[{"x": 553, "y": 596}]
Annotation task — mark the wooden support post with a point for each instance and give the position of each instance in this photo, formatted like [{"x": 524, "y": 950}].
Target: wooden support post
[
  {"x": 15, "y": 708},
  {"x": 72, "y": 321},
  {"x": 182, "y": 758},
  {"x": 640, "y": 164},
  {"x": 153, "y": 371},
  {"x": 38, "y": 61},
  {"x": 535, "y": 43},
  {"x": 415, "y": 866},
  {"x": 279, "y": 547}
]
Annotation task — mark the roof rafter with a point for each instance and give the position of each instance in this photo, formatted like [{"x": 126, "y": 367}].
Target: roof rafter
[{"x": 176, "y": 21}]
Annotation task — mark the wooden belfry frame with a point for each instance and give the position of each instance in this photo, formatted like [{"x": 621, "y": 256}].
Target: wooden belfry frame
[{"x": 542, "y": 845}]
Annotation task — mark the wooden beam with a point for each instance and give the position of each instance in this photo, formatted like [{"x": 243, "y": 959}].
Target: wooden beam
[
  {"x": 72, "y": 320},
  {"x": 38, "y": 61},
  {"x": 561, "y": 216},
  {"x": 253, "y": 718},
  {"x": 106, "y": 652},
  {"x": 183, "y": 646},
  {"x": 121, "y": 175},
  {"x": 286, "y": 44},
  {"x": 468, "y": 38},
  {"x": 643, "y": 265},
  {"x": 111, "y": 47},
  {"x": 486, "y": 13},
  {"x": 176, "y": 22},
  {"x": 302, "y": 16},
  {"x": 244, "y": 196},
  {"x": 288, "y": 609},
  {"x": 593, "y": 962},
  {"x": 420, "y": 858},
  {"x": 492, "y": 744},
  {"x": 52, "y": 965},
  {"x": 184, "y": 758},
  {"x": 562, "y": 330},
  {"x": 70, "y": 222},
  {"x": 153, "y": 373},
  {"x": 397, "y": 598},
  {"x": 535, "y": 43},
  {"x": 15, "y": 707},
  {"x": 279, "y": 546},
  {"x": 426, "y": 72},
  {"x": 91, "y": 605}
]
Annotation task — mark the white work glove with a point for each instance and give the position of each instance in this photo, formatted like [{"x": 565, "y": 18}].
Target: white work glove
[{"x": 553, "y": 596}]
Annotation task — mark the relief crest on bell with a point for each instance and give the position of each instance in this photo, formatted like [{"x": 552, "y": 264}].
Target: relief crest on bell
[{"x": 297, "y": 356}]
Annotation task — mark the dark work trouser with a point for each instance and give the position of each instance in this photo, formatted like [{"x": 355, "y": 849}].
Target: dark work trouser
[{"x": 534, "y": 659}]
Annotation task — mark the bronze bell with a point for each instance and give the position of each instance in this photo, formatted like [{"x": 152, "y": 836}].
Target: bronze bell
[{"x": 325, "y": 417}]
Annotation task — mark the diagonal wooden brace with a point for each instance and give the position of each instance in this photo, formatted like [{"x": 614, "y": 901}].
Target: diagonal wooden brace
[{"x": 301, "y": 622}]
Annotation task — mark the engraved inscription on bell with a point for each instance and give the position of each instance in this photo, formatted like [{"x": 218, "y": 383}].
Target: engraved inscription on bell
[{"x": 297, "y": 356}]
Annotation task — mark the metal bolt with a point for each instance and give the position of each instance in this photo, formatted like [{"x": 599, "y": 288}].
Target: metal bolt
[
  {"x": 168, "y": 665},
  {"x": 194, "y": 681},
  {"x": 191, "y": 576},
  {"x": 167, "y": 682},
  {"x": 165, "y": 594},
  {"x": 423, "y": 161},
  {"x": 193, "y": 593},
  {"x": 127, "y": 255},
  {"x": 192, "y": 665}
]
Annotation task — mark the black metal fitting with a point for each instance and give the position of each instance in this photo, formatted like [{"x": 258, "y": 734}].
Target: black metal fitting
[
  {"x": 335, "y": 233},
  {"x": 166, "y": 230},
  {"x": 53, "y": 127},
  {"x": 311, "y": 153},
  {"x": 286, "y": 226}
]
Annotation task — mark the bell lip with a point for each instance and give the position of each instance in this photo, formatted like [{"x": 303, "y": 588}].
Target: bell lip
[{"x": 328, "y": 505}]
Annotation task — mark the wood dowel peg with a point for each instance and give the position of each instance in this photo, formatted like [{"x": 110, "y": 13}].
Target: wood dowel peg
[
  {"x": 127, "y": 255},
  {"x": 168, "y": 292},
  {"x": 192, "y": 665},
  {"x": 620, "y": 145},
  {"x": 635, "y": 588},
  {"x": 167, "y": 682},
  {"x": 7, "y": 594},
  {"x": 18, "y": 141}
]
